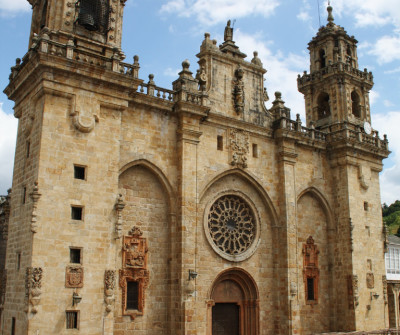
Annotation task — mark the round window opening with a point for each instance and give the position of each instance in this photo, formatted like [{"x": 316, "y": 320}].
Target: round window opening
[{"x": 232, "y": 227}]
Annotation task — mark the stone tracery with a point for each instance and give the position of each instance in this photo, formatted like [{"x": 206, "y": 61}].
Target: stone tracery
[{"x": 232, "y": 225}]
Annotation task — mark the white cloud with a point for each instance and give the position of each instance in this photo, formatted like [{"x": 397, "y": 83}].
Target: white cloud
[
  {"x": 369, "y": 12},
  {"x": 211, "y": 12},
  {"x": 282, "y": 70},
  {"x": 170, "y": 72},
  {"x": 390, "y": 177},
  {"x": 8, "y": 134},
  {"x": 304, "y": 16},
  {"x": 387, "y": 49},
  {"x": 14, "y": 6},
  {"x": 373, "y": 97}
]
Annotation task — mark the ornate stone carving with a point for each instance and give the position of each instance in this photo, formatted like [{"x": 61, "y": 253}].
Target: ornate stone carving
[
  {"x": 370, "y": 275},
  {"x": 33, "y": 287},
  {"x": 134, "y": 269},
  {"x": 370, "y": 280},
  {"x": 109, "y": 287},
  {"x": 35, "y": 196},
  {"x": 119, "y": 206},
  {"x": 80, "y": 125},
  {"x": 238, "y": 91},
  {"x": 239, "y": 147},
  {"x": 384, "y": 285},
  {"x": 74, "y": 276},
  {"x": 355, "y": 289},
  {"x": 310, "y": 270}
]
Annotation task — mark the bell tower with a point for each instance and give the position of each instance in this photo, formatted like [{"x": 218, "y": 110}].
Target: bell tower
[
  {"x": 335, "y": 90},
  {"x": 90, "y": 23}
]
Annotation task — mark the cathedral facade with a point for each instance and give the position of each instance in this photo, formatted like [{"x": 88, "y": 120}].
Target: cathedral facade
[{"x": 137, "y": 209}]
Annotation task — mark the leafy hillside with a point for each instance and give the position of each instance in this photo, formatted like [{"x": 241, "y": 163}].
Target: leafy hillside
[{"x": 391, "y": 217}]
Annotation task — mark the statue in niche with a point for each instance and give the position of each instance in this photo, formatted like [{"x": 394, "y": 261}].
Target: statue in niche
[
  {"x": 228, "y": 34},
  {"x": 238, "y": 91}
]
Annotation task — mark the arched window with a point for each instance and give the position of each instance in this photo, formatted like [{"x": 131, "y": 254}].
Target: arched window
[
  {"x": 94, "y": 15},
  {"x": 322, "y": 57},
  {"x": 43, "y": 19},
  {"x": 324, "y": 109},
  {"x": 355, "y": 104},
  {"x": 348, "y": 50}
]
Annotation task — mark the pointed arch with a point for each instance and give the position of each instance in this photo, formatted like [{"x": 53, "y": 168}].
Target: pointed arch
[
  {"x": 236, "y": 286},
  {"x": 159, "y": 175},
  {"x": 251, "y": 180},
  {"x": 318, "y": 195}
]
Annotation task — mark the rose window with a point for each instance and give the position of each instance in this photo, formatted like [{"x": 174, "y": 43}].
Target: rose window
[{"x": 231, "y": 225}]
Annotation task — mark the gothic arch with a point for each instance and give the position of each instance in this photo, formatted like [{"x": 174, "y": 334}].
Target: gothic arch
[
  {"x": 322, "y": 201},
  {"x": 160, "y": 176},
  {"x": 251, "y": 180},
  {"x": 236, "y": 286}
]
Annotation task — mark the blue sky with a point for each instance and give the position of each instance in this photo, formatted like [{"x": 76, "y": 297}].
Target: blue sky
[{"x": 164, "y": 33}]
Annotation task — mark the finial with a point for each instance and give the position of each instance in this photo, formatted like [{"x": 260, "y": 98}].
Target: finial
[{"x": 330, "y": 16}]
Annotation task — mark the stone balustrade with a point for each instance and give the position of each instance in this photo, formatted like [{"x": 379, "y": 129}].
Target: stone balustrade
[
  {"x": 338, "y": 67},
  {"x": 334, "y": 133}
]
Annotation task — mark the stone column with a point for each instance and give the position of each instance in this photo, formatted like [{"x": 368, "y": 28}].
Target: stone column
[
  {"x": 395, "y": 291},
  {"x": 188, "y": 139},
  {"x": 287, "y": 162}
]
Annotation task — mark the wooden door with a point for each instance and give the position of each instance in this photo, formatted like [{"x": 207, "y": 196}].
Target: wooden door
[{"x": 225, "y": 319}]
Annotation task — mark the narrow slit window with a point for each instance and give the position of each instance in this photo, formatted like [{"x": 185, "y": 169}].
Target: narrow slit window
[
  {"x": 28, "y": 149},
  {"x": 76, "y": 213},
  {"x": 18, "y": 261},
  {"x": 24, "y": 195},
  {"x": 13, "y": 322},
  {"x": 132, "y": 295},
  {"x": 79, "y": 172},
  {"x": 75, "y": 255},
  {"x": 72, "y": 319},
  {"x": 220, "y": 142},
  {"x": 255, "y": 150},
  {"x": 366, "y": 206}
]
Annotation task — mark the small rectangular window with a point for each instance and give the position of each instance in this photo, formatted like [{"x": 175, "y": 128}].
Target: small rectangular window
[
  {"x": 366, "y": 206},
  {"x": 220, "y": 143},
  {"x": 79, "y": 172},
  {"x": 28, "y": 148},
  {"x": 76, "y": 213},
  {"x": 255, "y": 150},
  {"x": 75, "y": 255},
  {"x": 310, "y": 289},
  {"x": 132, "y": 295},
  {"x": 72, "y": 319}
]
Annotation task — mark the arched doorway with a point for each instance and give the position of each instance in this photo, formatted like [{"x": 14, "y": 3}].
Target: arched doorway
[{"x": 233, "y": 308}]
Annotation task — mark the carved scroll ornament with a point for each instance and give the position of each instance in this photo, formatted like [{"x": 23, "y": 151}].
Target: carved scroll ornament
[
  {"x": 33, "y": 287},
  {"x": 109, "y": 287}
]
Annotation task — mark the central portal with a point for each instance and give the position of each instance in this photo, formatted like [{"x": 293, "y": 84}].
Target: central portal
[
  {"x": 233, "y": 305},
  {"x": 225, "y": 319}
]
